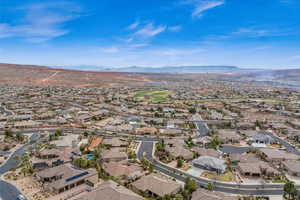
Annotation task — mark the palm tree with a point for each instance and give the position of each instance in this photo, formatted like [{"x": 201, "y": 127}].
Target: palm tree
[
  {"x": 25, "y": 170},
  {"x": 26, "y": 160},
  {"x": 210, "y": 186},
  {"x": 289, "y": 189}
]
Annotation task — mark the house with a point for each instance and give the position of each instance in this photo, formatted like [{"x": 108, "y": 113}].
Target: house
[
  {"x": 210, "y": 163},
  {"x": 262, "y": 139},
  {"x": 248, "y": 133},
  {"x": 70, "y": 140},
  {"x": 156, "y": 186},
  {"x": 123, "y": 169},
  {"x": 276, "y": 156},
  {"x": 243, "y": 158},
  {"x": 113, "y": 155},
  {"x": 228, "y": 136},
  {"x": 202, "y": 141},
  {"x": 26, "y": 124},
  {"x": 109, "y": 191},
  {"x": 258, "y": 169},
  {"x": 202, "y": 194},
  {"x": 146, "y": 131},
  {"x": 170, "y": 132},
  {"x": 207, "y": 152},
  {"x": 63, "y": 178},
  {"x": 95, "y": 142},
  {"x": 292, "y": 167},
  {"x": 245, "y": 125},
  {"x": 84, "y": 118},
  {"x": 51, "y": 158},
  {"x": 175, "y": 148},
  {"x": 115, "y": 142}
]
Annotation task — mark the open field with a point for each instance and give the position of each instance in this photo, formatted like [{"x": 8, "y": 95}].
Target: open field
[
  {"x": 152, "y": 95},
  {"x": 39, "y": 75}
]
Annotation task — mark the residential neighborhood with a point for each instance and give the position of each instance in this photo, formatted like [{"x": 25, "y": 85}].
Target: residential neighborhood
[{"x": 149, "y": 142}]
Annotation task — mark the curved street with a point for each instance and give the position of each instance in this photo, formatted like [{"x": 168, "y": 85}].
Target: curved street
[
  {"x": 9, "y": 192},
  {"x": 146, "y": 150}
]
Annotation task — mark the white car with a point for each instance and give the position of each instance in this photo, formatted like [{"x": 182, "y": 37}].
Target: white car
[{"x": 21, "y": 197}]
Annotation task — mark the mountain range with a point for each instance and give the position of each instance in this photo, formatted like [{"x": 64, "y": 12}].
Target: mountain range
[{"x": 166, "y": 69}]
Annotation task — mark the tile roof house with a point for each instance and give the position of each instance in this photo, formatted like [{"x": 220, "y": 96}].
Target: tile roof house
[
  {"x": 115, "y": 142},
  {"x": 64, "y": 177},
  {"x": 110, "y": 191},
  {"x": 123, "y": 169},
  {"x": 170, "y": 132},
  {"x": 243, "y": 158},
  {"x": 276, "y": 156},
  {"x": 258, "y": 169},
  {"x": 207, "y": 152},
  {"x": 156, "y": 186},
  {"x": 176, "y": 149},
  {"x": 96, "y": 141},
  {"x": 70, "y": 140},
  {"x": 51, "y": 157},
  {"x": 292, "y": 167},
  {"x": 146, "y": 131},
  {"x": 113, "y": 155},
  {"x": 229, "y": 136}
]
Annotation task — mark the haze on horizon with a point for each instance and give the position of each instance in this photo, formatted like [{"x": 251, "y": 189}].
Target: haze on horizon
[{"x": 256, "y": 33}]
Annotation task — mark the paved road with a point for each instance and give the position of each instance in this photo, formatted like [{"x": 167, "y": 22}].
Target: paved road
[
  {"x": 8, "y": 191},
  {"x": 287, "y": 145},
  {"x": 228, "y": 149},
  {"x": 202, "y": 129},
  {"x": 2, "y": 109},
  {"x": 146, "y": 149}
]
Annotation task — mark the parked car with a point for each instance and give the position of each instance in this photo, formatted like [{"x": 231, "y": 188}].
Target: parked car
[{"x": 21, "y": 197}]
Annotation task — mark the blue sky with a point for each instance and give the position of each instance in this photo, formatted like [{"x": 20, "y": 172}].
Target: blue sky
[{"x": 246, "y": 33}]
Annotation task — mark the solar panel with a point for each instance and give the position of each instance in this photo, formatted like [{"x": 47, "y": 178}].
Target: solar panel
[{"x": 76, "y": 176}]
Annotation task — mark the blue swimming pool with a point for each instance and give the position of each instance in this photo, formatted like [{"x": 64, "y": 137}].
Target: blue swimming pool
[{"x": 89, "y": 156}]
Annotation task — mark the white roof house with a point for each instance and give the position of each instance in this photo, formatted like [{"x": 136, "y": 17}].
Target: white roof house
[{"x": 210, "y": 163}]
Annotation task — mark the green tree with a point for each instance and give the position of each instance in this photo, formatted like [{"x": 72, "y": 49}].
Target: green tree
[
  {"x": 24, "y": 171},
  {"x": 131, "y": 155},
  {"x": 289, "y": 190},
  {"x": 179, "y": 163},
  {"x": 190, "y": 185},
  {"x": 192, "y": 110},
  {"x": 178, "y": 197},
  {"x": 210, "y": 186},
  {"x": 8, "y": 133},
  {"x": 58, "y": 133},
  {"x": 215, "y": 143}
]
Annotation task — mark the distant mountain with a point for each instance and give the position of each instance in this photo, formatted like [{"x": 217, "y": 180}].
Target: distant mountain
[
  {"x": 166, "y": 69},
  {"x": 284, "y": 76}
]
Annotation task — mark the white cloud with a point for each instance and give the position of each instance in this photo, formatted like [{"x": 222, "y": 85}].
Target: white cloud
[
  {"x": 42, "y": 21},
  {"x": 201, "y": 6},
  {"x": 133, "y": 25},
  {"x": 149, "y": 30},
  {"x": 174, "y": 28},
  {"x": 253, "y": 32},
  {"x": 112, "y": 49},
  {"x": 295, "y": 58},
  {"x": 139, "y": 45}
]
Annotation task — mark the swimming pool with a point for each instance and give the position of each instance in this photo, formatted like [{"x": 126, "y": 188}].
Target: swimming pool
[{"x": 89, "y": 156}]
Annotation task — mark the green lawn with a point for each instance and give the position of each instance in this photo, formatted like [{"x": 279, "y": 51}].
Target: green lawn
[{"x": 152, "y": 95}]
